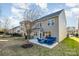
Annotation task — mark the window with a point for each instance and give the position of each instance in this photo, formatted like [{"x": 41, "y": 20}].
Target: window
[
  {"x": 47, "y": 33},
  {"x": 40, "y": 24},
  {"x": 18, "y": 30},
  {"x": 35, "y": 34},
  {"x": 50, "y": 22}
]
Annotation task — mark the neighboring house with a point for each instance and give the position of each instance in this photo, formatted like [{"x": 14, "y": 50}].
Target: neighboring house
[
  {"x": 53, "y": 24},
  {"x": 71, "y": 30},
  {"x": 15, "y": 30}
]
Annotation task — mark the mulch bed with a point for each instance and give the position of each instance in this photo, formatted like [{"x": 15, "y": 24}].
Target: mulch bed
[{"x": 27, "y": 45}]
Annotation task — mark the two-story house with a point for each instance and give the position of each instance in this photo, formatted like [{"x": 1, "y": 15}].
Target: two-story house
[
  {"x": 53, "y": 24},
  {"x": 16, "y": 29}
]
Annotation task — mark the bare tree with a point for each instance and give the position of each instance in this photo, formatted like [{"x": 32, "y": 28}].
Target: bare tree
[
  {"x": 0, "y": 24},
  {"x": 30, "y": 15},
  {"x": 0, "y": 16},
  {"x": 0, "y": 11},
  {"x": 6, "y": 25},
  {"x": 33, "y": 13}
]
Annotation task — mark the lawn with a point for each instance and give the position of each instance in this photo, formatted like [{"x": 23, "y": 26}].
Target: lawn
[{"x": 12, "y": 47}]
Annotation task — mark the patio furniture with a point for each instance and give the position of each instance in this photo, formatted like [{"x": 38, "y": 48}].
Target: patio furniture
[
  {"x": 48, "y": 40},
  {"x": 41, "y": 40}
]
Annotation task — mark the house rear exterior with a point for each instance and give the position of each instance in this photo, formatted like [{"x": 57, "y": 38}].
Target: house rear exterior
[{"x": 53, "y": 24}]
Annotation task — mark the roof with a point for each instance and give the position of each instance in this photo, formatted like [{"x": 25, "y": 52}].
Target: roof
[
  {"x": 25, "y": 21},
  {"x": 47, "y": 16},
  {"x": 14, "y": 27},
  {"x": 50, "y": 15}
]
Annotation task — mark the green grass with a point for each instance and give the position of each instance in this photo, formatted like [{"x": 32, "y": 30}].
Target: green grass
[
  {"x": 70, "y": 43},
  {"x": 68, "y": 47}
]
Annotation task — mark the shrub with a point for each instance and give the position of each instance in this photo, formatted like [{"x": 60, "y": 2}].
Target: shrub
[
  {"x": 16, "y": 34},
  {"x": 29, "y": 37},
  {"x": 76, "y": 35},
  {"x": 1, "y": 32}
]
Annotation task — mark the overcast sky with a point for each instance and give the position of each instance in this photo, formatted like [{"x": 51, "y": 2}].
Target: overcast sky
[{"x": 14, "y": 11}]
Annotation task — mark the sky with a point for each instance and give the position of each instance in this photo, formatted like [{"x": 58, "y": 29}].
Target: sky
[{"x": 14, "y": 11}]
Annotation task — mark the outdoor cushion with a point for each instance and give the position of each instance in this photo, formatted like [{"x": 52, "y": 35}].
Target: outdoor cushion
[
  {"x": 51, "y": 37},
  {"x": 49, "y": 41},
  {"x": 41, "y": 40}
]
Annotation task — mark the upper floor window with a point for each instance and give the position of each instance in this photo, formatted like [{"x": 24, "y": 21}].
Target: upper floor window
[
  {"x": 40, "y": 24},
  {"x": 50, "y": 22},
  {"x": 18, "y": 30}
]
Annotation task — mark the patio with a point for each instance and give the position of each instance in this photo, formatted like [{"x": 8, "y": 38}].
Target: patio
[{"x": 44, "y": 45}]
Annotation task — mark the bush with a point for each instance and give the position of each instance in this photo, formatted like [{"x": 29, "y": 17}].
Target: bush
[
  {"x": 27, "y": 45},
  {"x": 8, "y": 33},
  {"x": 67, "y": 35},
  {"x": 29, "y": 37},
  {"x": 16, "y": 34},
  {"x": 1, "y": 32},
  {"x": 76, "y": 35}
]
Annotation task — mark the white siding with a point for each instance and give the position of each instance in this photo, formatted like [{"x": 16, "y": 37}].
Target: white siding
[{"x": 62, "y": 26}]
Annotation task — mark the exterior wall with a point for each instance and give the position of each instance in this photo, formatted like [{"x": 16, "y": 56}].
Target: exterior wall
[
  {"x": 25, "y": 25},
  {"x": 11, "y": 31},
  {"x": 36, "y": 33},
  {"x": 36, "y": 30},
  {"x": 62, "y": 26},
  {"x": 52, "y": 28},
  {"x": 48, "y": 28},
  {"x": 18, "y": 30},
  {"x": 22, "y": 28},
  {"x": 15, "y": 30},
  {"x": 57, "y": 30}
]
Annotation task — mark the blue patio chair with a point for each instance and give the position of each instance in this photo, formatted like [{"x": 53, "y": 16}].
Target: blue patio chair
[
  {"x": 50, "y": 40},
  {"x": 41, "y": 40}
]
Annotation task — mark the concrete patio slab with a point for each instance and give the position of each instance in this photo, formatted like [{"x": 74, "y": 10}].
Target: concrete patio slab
[{"x": 44, "y": 45}]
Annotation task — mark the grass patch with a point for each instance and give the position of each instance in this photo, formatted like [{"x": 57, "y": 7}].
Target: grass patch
[
  {"x": 70, "y": 43},
  {"x": 68, "y": 47}
]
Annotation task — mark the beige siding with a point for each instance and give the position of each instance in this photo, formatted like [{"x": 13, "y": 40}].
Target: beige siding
[
  {"x": 15, "y": 30},
  {"x": 22, "y": 28},
  {"x": 36, "y": 29},
  {"x": 52, "y": 28}
]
